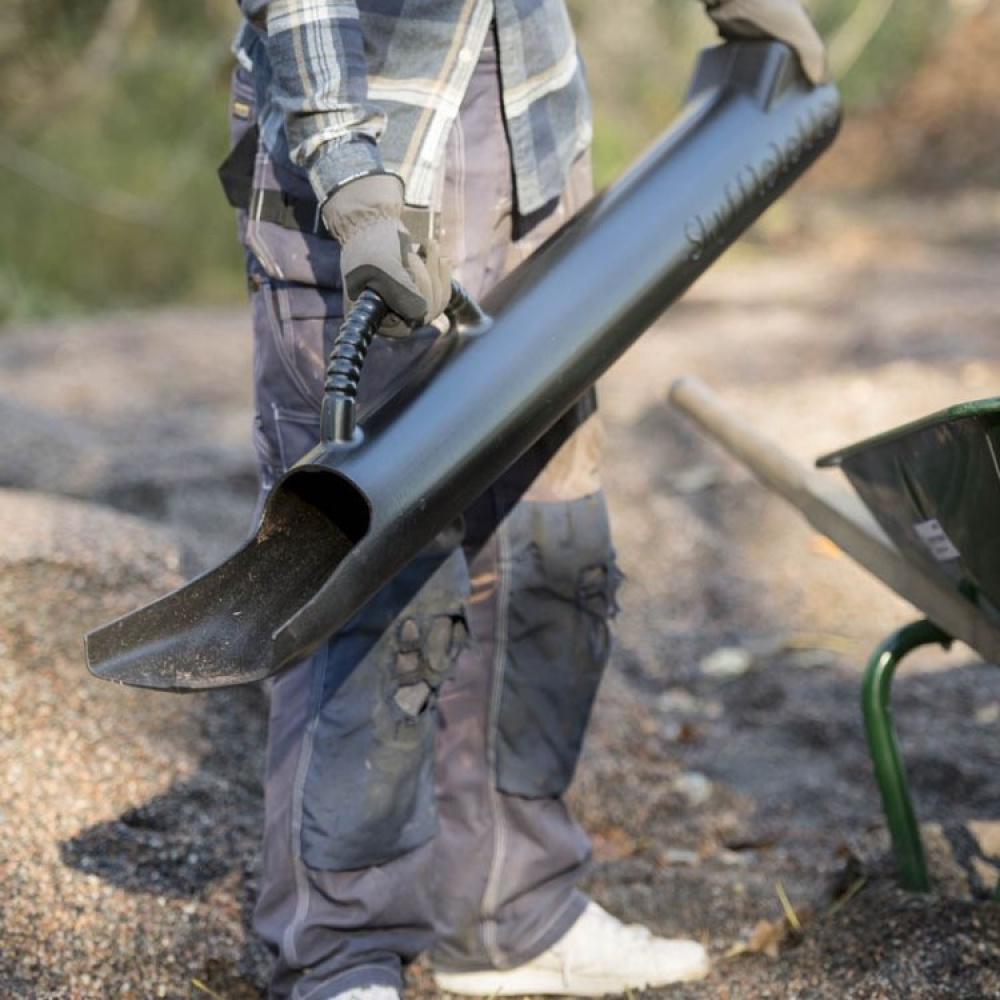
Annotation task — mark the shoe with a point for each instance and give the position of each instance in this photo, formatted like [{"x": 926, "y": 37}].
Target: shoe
[
  {"x": 597, "y": 955},
  {"x": 368, "y": 993}
]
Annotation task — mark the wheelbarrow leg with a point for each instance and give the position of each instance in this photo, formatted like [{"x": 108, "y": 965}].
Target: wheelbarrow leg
[{"x": 884, "y": 747}]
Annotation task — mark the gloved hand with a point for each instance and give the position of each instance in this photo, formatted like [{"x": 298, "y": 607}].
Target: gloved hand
[
  {"x": 365, "y": 215},
  {"x": 784, "y": 20}
]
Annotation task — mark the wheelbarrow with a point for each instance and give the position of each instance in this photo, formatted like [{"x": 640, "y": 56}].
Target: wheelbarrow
[
  {"x": 925, "y": 520},
  {"x": 381, "y": 485}
]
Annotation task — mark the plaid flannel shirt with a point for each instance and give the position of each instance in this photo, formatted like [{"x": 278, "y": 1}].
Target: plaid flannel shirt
[{"x": 351, "y": 87}]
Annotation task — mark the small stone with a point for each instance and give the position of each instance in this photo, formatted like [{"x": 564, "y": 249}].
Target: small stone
[
  {"x": 695, "y": 479},
  {"x": 681, "y": 857},
  {"x": 727, "y": 661},
  {"x": 677, "y": 701},
  {"x": 811, "y": 659},
  {"x": 988, "y": 714},
  {"x": 694, "y": 786}
]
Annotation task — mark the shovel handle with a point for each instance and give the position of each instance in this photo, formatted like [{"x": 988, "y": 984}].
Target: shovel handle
[
  {"x": 338, "y": 420},
  {"x": 343, "y": 372}
]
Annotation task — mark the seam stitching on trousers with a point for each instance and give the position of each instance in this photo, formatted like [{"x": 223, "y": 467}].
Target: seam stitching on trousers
[
  {"x": 459, "y": 197},
  {"x": 490, "y": 902},
  {"x": 301, "y": 876}
]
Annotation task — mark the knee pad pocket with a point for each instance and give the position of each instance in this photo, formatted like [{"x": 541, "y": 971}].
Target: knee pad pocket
[{"x": 368, "y": 795}]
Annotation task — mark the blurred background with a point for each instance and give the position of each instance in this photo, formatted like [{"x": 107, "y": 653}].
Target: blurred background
[{"x": 113, "y": 120}]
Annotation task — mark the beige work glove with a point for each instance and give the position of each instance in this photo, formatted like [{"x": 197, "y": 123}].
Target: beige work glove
[
  {"x": 784, "y": 20},
  {"x": 376, "y": 251}
]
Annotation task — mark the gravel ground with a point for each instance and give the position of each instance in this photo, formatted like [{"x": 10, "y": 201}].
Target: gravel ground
[{"x": 726, "y": 769}]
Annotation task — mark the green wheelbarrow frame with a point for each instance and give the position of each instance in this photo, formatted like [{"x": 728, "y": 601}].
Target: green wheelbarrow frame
[{"x": 912, "y": 524}]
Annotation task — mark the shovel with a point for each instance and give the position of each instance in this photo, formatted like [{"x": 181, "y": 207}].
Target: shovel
[{"x": 353, "y": 511}]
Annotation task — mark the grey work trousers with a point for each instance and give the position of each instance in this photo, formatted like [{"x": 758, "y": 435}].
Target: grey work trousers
[{"x": 416, "y": 762}]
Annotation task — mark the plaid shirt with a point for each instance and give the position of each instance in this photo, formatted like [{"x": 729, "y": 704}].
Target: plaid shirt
[{"x": 350, "y": 87}]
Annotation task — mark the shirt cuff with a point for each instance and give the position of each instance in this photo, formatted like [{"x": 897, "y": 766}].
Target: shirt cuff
[{"x": 339, "y": 161}]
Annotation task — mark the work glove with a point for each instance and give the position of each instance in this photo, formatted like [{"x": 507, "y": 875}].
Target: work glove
[
  {"x": 784, "y": 20},
  {"x": 376, "y": 251}
]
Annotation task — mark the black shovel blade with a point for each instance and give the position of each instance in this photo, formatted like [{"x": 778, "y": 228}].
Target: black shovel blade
[{"x": 217, "y": 630}]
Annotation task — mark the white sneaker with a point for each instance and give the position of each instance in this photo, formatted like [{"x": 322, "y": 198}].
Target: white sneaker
[
  {"x": 368, "y": 993},
  {"x": 597, "y": 955}
]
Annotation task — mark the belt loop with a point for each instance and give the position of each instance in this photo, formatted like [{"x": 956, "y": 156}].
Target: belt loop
[
  {"x": 420, "y": 223},
  {"x": 257, "y": 205}
]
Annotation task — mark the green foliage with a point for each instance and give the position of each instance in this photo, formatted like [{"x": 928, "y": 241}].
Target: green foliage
[
  {"x": 639, "y": 63},
  {"x": 108, "y": 152},
  {"x": 890, "y": 50},
  {"x": 638, "y": 66},
  {"x": 113, "y": 120}
]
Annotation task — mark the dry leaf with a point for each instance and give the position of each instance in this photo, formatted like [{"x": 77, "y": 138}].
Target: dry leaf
[
  {"x": 823, "y": 546},
  {"x": 766, "y": 938}
]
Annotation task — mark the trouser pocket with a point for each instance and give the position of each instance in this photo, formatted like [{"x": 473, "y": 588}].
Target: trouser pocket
[{"x": 563, "y": 580}]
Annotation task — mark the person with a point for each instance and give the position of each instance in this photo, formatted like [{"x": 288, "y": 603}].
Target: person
[{"x": 416, "y": 763}]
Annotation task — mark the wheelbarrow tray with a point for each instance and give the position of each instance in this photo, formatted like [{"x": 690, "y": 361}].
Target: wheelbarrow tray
[{"x": 934, "y": 487}]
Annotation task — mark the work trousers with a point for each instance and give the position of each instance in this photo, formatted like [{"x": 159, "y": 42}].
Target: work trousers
[{"x": 417, "y": 761}]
